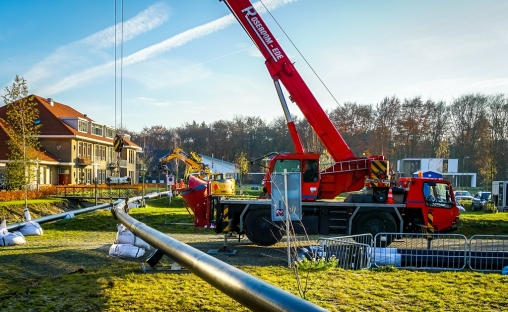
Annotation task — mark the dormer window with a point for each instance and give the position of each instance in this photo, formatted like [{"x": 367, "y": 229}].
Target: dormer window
[
  {"x": 110, "y": 133},
  {"x": 96, "y": 129},
  {"x": 83, "y": 125}
]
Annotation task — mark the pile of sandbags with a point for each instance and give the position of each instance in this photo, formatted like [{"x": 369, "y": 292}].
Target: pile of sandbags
[
  {"x": 10, "y": 238},
  {"x": 31, "y": 228},
  {"x": 127, "y": 245}
]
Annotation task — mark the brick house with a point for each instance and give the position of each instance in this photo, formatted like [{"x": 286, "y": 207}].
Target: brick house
[{"x": 75, "y": 149}]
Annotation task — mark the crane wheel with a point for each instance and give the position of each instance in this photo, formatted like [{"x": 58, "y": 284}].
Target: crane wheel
[
  {"x": 260, "y": 229},
  {"x": 376, "y": 222}
]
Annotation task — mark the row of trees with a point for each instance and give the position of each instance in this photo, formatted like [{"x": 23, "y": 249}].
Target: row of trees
[{"x": 473, "y": 128}]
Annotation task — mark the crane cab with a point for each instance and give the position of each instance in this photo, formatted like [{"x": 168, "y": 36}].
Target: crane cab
[{"x": 307, "y": 164}]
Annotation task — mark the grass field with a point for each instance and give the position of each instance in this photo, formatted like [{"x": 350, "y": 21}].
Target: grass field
[{"x": 68, "y": 269}]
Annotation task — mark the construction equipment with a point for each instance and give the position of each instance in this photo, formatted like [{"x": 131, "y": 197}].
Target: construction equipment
[
  {"x": 220, "y": 184},
  {"x": 410, "y": 209},
  {"x": 193, "y": 162}
]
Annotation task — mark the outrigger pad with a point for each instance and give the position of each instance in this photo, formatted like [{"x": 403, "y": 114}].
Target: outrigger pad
[{"x": 154, "y": 258}]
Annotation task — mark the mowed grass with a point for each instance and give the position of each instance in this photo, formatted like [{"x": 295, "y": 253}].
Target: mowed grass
[{"x": 68, "y": 269}]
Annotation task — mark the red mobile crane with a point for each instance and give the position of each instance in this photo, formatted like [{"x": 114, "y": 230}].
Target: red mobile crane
[
  {"x": 349, "y": 172},
  {"x": 416, "y": 200}
]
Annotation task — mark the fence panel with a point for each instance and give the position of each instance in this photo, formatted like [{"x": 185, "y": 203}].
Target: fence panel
[
  {"x": 352, "y": 252},
  {"x": 488, "y": 253},
  {"x": 421, "y": 251}
]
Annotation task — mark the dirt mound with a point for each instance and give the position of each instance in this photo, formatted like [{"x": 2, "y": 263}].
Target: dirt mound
[{"x": 14, "y": 213}]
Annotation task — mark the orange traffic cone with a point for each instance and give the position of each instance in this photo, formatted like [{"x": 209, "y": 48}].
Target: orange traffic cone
[{"x": 390, "y": 200}]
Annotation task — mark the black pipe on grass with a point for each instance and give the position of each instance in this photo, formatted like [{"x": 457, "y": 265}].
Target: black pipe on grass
[{"x": 246, "y": 289}]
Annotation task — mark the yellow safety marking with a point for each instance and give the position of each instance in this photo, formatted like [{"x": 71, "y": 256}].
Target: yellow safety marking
[
  {"x": 379, "y": 167},
  {"x": 117, "y": 143},
  {"x": 225, "y": 217},
  {"x": 430, "y": 227}
]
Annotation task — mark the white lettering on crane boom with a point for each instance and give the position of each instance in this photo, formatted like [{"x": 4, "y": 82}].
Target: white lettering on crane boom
[{"x": 261, "y": 32}]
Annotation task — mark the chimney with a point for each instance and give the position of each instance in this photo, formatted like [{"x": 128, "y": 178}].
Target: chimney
[{"x": 50, "y": 101}]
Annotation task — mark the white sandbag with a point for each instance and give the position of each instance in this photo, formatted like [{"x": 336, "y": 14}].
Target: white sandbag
[
  {"x": 28, "y": 217},
  {"x": 11, "y": 239},
  {"x": 31, "y": 228},
  {"x": 124, "y": 236},
  {"x": 3, "y": 228},
  {"x": 125, "y": 251}
]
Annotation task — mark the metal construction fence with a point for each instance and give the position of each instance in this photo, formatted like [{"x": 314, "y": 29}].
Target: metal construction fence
[
  {"x": 418, "y": 251},
  {"x": 352, "y": 252}
]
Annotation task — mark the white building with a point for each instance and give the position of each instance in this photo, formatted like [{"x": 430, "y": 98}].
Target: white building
[
  {"x": 219, "y": 165},
  {"x": 449, "y": 168}
]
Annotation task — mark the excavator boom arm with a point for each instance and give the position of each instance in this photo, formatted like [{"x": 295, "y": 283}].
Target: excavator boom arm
[{"x": 191, "y": 164}]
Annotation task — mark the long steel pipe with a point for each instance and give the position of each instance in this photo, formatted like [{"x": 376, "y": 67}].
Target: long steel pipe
[
  {"x": 19, "y": 225},
  {"x": 248, "y": 290}
]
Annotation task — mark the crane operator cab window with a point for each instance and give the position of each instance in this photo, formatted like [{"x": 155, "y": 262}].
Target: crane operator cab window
[
  {"x": 437, "y": 195},
  {"x": 311, "y": 171},
  {"x": 288, "y": 164}
]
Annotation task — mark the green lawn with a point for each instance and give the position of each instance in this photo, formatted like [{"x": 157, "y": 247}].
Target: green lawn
[{"x": 95, "y": 282}]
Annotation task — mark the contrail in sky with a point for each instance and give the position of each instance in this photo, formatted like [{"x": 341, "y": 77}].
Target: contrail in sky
[
  {"x": 73, "y": 55},
  {"x": 152, "y": 51}
]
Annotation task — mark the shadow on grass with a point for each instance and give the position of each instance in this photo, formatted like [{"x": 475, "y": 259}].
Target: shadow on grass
[
  {"x": 41, "y": 262},
  {"x": 59, "y": 280}
]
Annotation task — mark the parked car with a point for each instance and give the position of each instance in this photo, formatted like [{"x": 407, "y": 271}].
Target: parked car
[
  {"x": 463, "y": 195},
  {"x": 461, "y": 208},
  {"x": 479, "y": 201}
]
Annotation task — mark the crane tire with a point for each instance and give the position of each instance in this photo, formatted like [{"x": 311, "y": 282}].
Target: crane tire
[
  {"x": 260, "y": 229},
  {"x": 375, "y": 222}
]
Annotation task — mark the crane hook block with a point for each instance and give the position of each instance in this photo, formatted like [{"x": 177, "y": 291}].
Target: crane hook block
[{"x": 118, "y": 143}]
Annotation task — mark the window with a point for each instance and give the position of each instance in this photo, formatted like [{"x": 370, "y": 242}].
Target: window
[
  {"x": 80, "y": 149},
  {"x": 83, "y": 125},
  {"x": 111, "y": 154},
  {"x": 311, "y": 171},
  {"x": 110, "y": 133},
  {"x": 290, "y": 165},
  {"x": 437, "y": 195},
  {"x": 88, "y": 176},
  {"x": 96, "y": 129},
  {"x": 131, "y": 157},
  {"x": 63, "y": 170}
]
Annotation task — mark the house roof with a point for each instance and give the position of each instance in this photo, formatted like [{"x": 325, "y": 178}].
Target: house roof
[
  {"x": 43, "y": 155},
  {"x": 51, "y": 114}
]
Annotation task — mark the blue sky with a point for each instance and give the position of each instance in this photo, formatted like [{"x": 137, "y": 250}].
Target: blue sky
[{"x": 188, "y": 61}]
